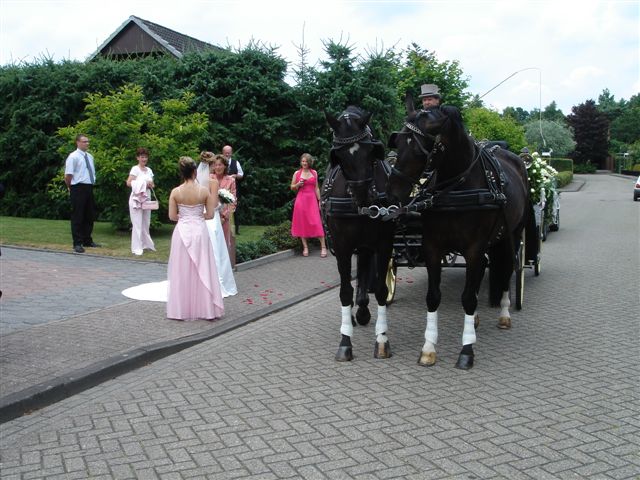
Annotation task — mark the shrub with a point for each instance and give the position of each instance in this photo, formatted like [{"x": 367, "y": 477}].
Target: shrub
[
  {"x": 563, "y": 179},
  {"x": 636, "y": 167},
  {"x": 562, "y": 164},
  {"x": 274, "y": 239},
  {"x": 252, "y": 250},
  {"x": 280, "y": 236},
  {"x": 584, "y": 168}
]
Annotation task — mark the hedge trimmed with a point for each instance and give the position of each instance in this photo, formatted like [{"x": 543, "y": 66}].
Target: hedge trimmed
[
  {"x": 563, "y": 179},
  {"x": 562, "y": 164}
]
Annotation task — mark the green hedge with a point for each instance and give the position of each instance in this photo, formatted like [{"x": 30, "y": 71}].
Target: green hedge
[
  {"x": 562, "y": 164},
  {"x": 563, "y": 179}
]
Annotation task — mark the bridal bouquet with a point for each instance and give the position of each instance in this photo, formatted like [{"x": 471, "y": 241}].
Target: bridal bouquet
[{"x": 226, "y": 196}]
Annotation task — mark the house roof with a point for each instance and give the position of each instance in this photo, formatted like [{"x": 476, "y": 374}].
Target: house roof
[{"x": 163, "y": 38}]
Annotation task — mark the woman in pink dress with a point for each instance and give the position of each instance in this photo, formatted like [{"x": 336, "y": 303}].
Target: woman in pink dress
[
  {"x": 220, "y": 170},
  {"x": 194, "y": 288},
  {"x": 306, "y": 221}
]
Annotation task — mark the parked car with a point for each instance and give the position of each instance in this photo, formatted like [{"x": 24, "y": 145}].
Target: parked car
[{"x": 636, "y": 190}]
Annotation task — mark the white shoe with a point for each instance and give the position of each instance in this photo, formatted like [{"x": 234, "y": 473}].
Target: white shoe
[{"x": 137, "y": 252}]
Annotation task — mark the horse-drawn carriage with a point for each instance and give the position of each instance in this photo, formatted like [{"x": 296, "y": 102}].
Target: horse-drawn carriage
[
  {"x": 474, "y": 203},
  {"x": 408, "y": 248}
]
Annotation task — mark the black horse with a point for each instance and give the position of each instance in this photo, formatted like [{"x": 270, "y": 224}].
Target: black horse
[
  {"x": 353, "y": 195},
  {"x": 475, "y": 203}
]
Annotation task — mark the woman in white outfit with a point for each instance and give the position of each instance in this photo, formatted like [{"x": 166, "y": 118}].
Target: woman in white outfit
[
  {"x": 140, "y": 181},
  {"x": 220, "y": 251}
]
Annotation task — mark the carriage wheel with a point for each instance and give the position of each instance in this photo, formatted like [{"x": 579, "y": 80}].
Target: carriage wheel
[
  {"x": 449, "y": 260},
  {"x": 520, "y": 274},
  {"x": 392, "y": 271},
  {"x": 536, "y": 265},
  {"x": 554, "y": 227}
]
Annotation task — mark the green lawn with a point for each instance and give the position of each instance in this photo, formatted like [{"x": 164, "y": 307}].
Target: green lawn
[{"x": 56, "y": 235}]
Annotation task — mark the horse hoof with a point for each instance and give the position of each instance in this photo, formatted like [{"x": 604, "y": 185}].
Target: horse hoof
[
  {"x": 504, "y": 323},
  {"x": 465, "y": 361},
  {"x": 363, "y": 316},
  {"x": 427, "y": 359},
  {"x": 344, "y": 354},
  {"x": 382, "y": 350}
]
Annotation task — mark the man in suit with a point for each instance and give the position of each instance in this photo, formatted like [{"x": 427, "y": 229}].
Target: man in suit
[
  {"x": 80, "y": 176},
  {"x": 235, "y": 170}
]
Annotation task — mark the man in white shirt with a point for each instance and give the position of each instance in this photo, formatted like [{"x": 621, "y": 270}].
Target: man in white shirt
[{"x": 80, "y": 176}]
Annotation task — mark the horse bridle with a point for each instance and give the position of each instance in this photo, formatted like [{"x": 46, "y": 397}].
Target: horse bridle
[
  {"x": 415, "y": 132},
  {"x": 339, "y": 143}
]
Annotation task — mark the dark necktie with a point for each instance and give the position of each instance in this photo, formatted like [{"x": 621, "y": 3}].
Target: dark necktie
[{"x": 86, "y": 161}]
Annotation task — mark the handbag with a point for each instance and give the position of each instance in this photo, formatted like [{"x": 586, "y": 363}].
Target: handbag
[{"x": 151, "y": 204}]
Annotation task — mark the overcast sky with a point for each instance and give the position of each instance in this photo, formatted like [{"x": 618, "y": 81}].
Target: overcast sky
[{"x": 576, "y": 48}]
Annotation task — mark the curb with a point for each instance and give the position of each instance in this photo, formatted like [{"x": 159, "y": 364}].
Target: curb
[
  {"x": 58, "y": 388},
  {"x": 239, "y": 267}
]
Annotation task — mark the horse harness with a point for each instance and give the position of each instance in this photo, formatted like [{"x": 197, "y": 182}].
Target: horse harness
[
  {"x": 443, "y": 196},
  {"x": 344, "y": 207}
]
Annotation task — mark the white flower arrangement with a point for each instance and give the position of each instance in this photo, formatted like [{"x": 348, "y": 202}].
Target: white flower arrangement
[
  {"x": 541, "y": 179},
  {"x": 226, "y": 196}
]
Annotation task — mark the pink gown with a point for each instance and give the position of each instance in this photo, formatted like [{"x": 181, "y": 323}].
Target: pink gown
[
  {"x": 306, "y": 220},
  {"x": 194, "y": 288}
]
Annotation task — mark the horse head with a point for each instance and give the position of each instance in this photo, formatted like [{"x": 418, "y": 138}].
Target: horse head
[
  {"x": 421, "y": 146},
  {"x": 413, "y": 145},
  {"x": 356, "y": 152}
]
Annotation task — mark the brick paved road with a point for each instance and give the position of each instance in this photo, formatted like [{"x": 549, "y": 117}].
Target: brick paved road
[{"x": 554, "y": 398}]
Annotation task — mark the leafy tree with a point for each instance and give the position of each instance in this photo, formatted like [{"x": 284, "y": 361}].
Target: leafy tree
[
  {"x": 590, "y": 128},
  {"x": 625, "y": 128},
  {"x": 119, "y": 123},
  {"x": 518, "y": 114},
  {"x": 422, "y": 66},
  {"x": 487, "y": 124},
  {"x": 557, "y": 137},
  {"x": 607, "y": 104},
  {"x": 552, "y": 113}
]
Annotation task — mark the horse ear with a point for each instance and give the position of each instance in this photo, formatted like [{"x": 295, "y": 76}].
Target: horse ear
[
  {"x": 333, "y": 121},
  {"x": 392, "y": 140},
  {"x": 408, "y": 103},
  {"x": 364, "y": 121}
]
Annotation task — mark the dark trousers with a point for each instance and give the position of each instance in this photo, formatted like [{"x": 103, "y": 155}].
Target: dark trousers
[{"x": 82, "y": 213}]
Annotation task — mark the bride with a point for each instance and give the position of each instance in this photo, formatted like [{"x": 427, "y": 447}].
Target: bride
[{"x": 220, "y": 251}]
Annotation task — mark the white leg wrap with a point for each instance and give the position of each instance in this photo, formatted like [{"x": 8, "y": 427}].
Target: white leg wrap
[
  {"x": 431, "y": 332},
  {"x": 469, "y": 333},
  {"x": 381, "y": 322},
  {"x": 347, "y": 327},
  {"x": 504, "y": 305}
]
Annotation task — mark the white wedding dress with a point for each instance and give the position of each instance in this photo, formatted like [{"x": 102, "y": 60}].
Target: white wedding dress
[
  {"x": 221, "y": 254},
  {"x": 157, "y": 291}
]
